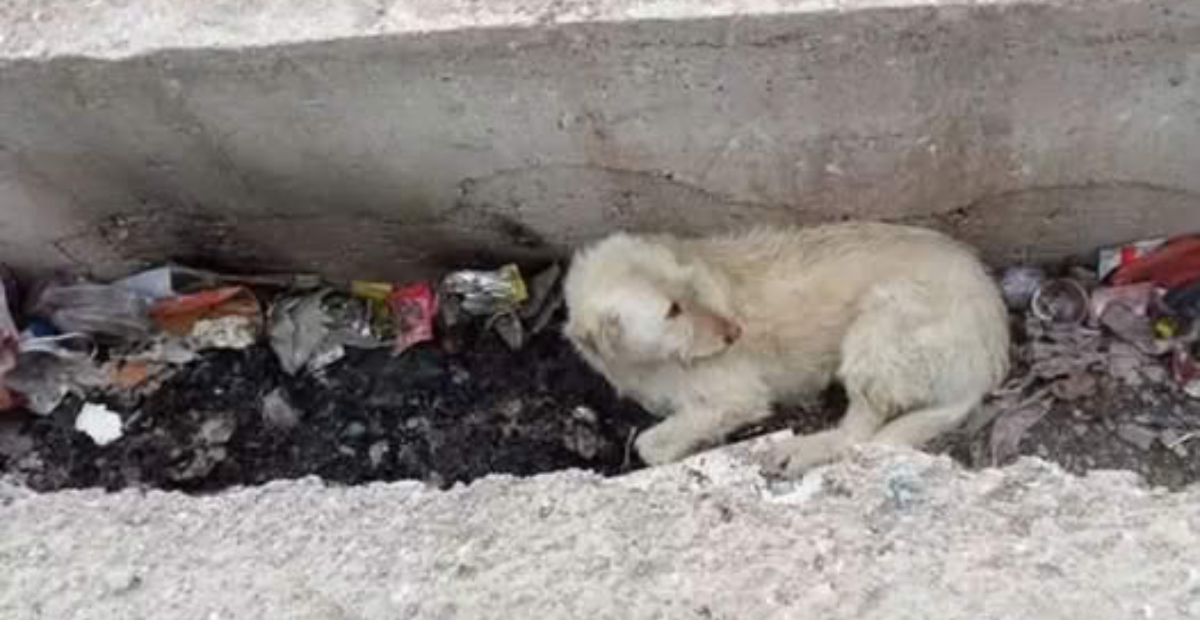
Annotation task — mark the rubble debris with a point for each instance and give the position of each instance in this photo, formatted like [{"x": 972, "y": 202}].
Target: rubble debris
[
  {"x": 101, "y": 424},
  {"x": 413, "y": 308},
  {"x": 107, "y": 311}
]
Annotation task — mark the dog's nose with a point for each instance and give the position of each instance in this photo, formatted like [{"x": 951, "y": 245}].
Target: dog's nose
[{"x": 732, "y": 332}]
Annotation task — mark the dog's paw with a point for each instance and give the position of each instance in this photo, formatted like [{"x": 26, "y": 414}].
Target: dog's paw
[
  {"x": 793, "y": 458},
  {"x": 660, "y": 445}
]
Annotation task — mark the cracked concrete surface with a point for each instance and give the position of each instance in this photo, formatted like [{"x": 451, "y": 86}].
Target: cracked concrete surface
[{"x": 885, "y": 534}]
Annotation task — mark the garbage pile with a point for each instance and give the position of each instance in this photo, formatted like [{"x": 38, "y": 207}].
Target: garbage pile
[
  {"x": 74, "y": 338},
  {"x": 1134, "y": 315}
]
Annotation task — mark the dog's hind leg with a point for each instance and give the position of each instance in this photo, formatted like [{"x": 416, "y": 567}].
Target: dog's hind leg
[
  {"x": 795, "y": 455},
  {"x": 916, "y": 428}
]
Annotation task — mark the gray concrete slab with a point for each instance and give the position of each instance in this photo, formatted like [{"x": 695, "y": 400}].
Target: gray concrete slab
[
  {"x": 882, "y": 535},
  {"x": 389, "y": 139}
]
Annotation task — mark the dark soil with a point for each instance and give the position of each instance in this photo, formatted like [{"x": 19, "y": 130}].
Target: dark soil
[
  {"x": 447, "y": 417},
  {"x": 426, "y": 414}
]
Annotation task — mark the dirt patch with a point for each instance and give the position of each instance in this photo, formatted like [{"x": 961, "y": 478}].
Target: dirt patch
[{"x": 235, "y": 418}]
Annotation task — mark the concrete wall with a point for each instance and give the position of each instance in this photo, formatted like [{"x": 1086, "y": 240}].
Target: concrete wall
[{"x": 389, "y": 138}]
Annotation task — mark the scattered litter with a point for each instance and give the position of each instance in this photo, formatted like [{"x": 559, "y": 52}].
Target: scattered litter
[
  {"x": 102, "y": 425},
  {"x": 277, "y": 412},
  {"x": 414, "y": 308},
  {"x": 107, "y": 311},
  {"x": 1111, "y": 259},
  {"x": 1173, "y": 264},
  {"x": 131, "y": 375},
  {"x": 544, "y": 300},
  {"x": 9, "y": 347},
  {"x": 540, "y": 292},
  {"x": 1060, "y": 301},
  {"x": 43, "y": 380},
  {"x": 1019, "y": 284},
  {"x": 299, "y": 332},
  {"x": 312, "y": 330},
  {"x": 508, "y": 326},
  {"x": 172, "y": 280},
  {"x": 1185, "y": 370},
  {"x": 482, "y": 292},
  {"x": 1010, "y": 427},
  {"x": 223, "y": 318}
]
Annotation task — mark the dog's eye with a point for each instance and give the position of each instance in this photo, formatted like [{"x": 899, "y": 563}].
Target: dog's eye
[{"x": 674, "y": 310}]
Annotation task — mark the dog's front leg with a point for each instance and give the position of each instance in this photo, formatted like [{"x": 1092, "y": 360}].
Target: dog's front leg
[{"x": 692, "y": 429}]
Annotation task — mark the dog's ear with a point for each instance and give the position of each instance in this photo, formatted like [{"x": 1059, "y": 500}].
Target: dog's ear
[{"x": 711, "y": 333}]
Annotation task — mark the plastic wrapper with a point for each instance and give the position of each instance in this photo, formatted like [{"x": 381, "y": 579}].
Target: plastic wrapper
[
  {"x": 313, "y": 330},
  {"x": 103, "y": 310},
  {"x": 228, "y": 317},
  {"x": 487, "y": 292},
  {"x": 414, "y": 308},
  {"x": 1174, "y": 264},
  {"x": 1110, "y": 259}
]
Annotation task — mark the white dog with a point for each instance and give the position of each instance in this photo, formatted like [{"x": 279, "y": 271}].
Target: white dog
[{"x": 711, "y": 332}]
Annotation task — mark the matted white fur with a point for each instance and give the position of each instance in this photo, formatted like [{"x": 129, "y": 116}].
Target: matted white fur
[{"x": 709, "y": 333}]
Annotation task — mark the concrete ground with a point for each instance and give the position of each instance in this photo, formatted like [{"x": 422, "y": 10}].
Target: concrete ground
[{"x": 885, "y": 534}]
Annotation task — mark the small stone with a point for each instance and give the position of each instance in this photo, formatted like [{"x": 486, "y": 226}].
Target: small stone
[
  {"x": 347, "y": 451},
  {"x": 459, "y": 375},
  {"x": 217, "y": 430},
  {"x": 354, "y": 431},
  {"x": 1137, "y": 435},
  {"x": 511, "y": 408},
  {"x": 377, "y": 452},
  {"x": 277, "y": 412},
  {"x": 583, "y": 413},
  {"x": 583, "y": 442}
]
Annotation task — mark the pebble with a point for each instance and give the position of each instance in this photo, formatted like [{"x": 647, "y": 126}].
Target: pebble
[
  {"x": 277, "y": 412},
  {"x": 377, "y": 452},
  {"x": 217, "y": 430},
  {"x": 355, "y": 430}
]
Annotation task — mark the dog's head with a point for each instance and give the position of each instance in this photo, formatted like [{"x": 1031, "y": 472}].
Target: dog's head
[{"x": 632, "y": 300}]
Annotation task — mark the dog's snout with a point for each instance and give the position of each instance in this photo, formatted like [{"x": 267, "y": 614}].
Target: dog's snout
[{"x": 732, "y": 331}]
